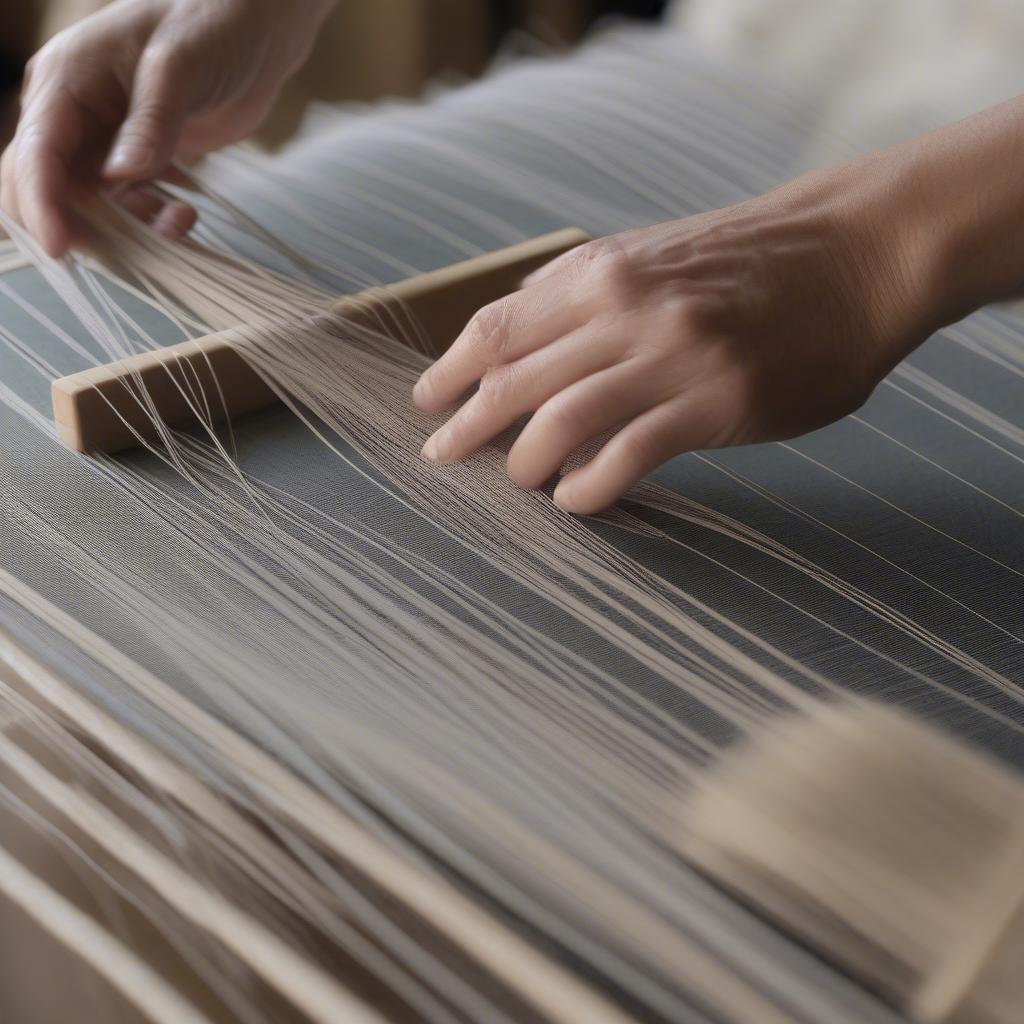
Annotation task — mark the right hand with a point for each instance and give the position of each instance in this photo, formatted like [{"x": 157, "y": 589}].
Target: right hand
[
  {"x": 754, "y": 323},
  {"x": 115, "y": 98}
]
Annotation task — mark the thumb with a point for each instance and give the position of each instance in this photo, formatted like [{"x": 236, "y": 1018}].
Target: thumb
[{"x": 159, "y": 105}]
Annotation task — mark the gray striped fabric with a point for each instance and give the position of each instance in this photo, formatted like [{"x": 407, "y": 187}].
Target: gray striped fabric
[{"x": 913, "y": 507}]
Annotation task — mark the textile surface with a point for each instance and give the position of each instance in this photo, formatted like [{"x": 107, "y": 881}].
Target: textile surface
[{"x": 917, "y": 500}]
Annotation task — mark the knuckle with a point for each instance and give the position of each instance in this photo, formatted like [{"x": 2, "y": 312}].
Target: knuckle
[
  {"x": 559, "y": 416},
  {"x": 689, "y": 317},
  {"x": 33, "y": 64},
  {"x": 49, "y": 65},
  {"x": 584, "y": 263},
  {"x": 579, "y": 260},
  {"x": 616, "y": 268},
  {"x": 488, "y": 331},
  {"x": 496, "y": 384},
  {"x": 34, "y": 136},
  {"x": 59, "y": 46},
  {"x": 64, "y": 57},
  {"x": 164, "y": 58},
  {"x": 613, "y": 271}
]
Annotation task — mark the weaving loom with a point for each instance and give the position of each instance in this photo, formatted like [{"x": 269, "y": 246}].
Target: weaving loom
[{"x": 328, "y": 735}]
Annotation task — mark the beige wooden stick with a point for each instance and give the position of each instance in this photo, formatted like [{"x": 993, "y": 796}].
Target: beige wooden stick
[{"x": 101, "y": 409}]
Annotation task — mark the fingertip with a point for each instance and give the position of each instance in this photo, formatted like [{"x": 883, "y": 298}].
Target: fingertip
[
  {"x": 175, "y": 220},
  {"x": 40, "y": 188},
  {"x": 522, "y": 470},
  {"x": 129, "y": 161},
  {"x": 419, "y": 394},
  {"x": 53, "y": 236},
  {"x": 580, "y": 493},
  {"x": 566, "y": 501},
  {"x": 440, "y": 448},
  {"x": 576, "y": 502},
  {"x": 55, "y": 247},
  {"x": 429, "y": 451},
  {"x": 425, "y": 396},
  {"x": 565, "y": 496}
]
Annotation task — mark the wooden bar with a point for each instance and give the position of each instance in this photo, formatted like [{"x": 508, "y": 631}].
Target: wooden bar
[{"x": 107, "y": 408}]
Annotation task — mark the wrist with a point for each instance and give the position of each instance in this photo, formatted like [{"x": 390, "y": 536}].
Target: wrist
[
  {"x": 911, "y": 248},
  {"x": 928, "y": 231},
  {"x": 960, "y": 195},
  {"x": 881, "y": 252}
]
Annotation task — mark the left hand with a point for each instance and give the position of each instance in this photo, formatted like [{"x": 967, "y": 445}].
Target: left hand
[
  {"x": 753, "y": 323},
  {"x": 115, "y": 98}
]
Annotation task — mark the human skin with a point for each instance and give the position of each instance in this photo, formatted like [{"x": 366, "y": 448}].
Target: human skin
[
  {"x": 757, "y": 322},
  {"x": 115, "y": 98}
]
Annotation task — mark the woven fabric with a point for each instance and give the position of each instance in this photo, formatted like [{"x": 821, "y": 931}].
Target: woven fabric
[{"x": 914, "y": 504}]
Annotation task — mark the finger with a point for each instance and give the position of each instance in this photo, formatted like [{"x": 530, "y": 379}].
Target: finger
[
  {"x": 175, "y": 220},
  {"x": 159, "y": 106},
  {"x": 142, "y": 203},
  {"x": 46, "y": 142},
  {"x": 498, "y": 334},
  {"x": 574, "y": 416},
  {"x": 8, "y": 193},
  {"x": 509, "y": 391},
  {"x": 636, "y": 450},
  {"x": 171, "y": 217}
]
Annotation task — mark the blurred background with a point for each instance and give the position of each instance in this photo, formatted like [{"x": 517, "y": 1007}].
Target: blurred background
[
  {"x": 367, "y": 50},
  {"x": 877, "y": 71}
]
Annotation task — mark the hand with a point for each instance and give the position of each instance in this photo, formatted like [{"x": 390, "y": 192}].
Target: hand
[
  {"x": 752, "y": 323},
  {"x": 118, "y": 96}
]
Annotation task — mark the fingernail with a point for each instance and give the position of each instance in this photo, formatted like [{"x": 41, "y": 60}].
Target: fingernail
[
  {"x": 563, "y": 498},
  {"x": 438, "y": 447},
  {"x": 128, "y": 156}
]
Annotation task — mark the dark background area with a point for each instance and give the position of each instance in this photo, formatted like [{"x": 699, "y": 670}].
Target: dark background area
[
  {"x": 508, "y": 14},
  {"x": 632, "y": 8},
  {"x": 15, "y": 16},
  {"x": 558, "y": 22}
]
